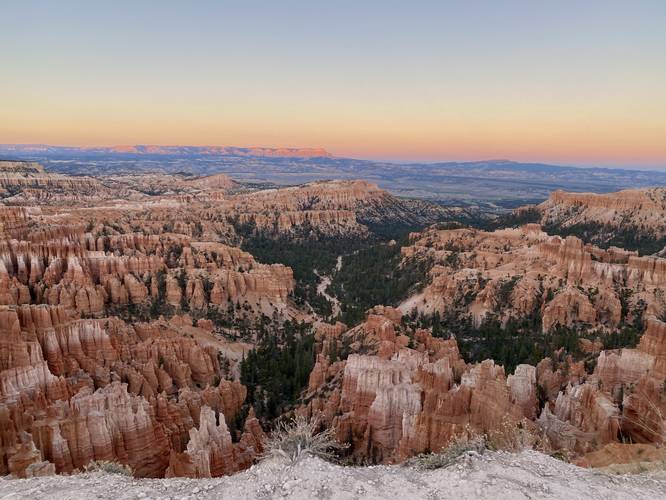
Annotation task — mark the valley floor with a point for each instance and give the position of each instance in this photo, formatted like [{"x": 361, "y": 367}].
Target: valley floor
[{"x": 496, "y": 475}]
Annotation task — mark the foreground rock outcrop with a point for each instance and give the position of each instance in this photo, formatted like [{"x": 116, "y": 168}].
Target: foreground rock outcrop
[
  {"x": 489, "y": 476},
  {"x": 411, "y": 393}
]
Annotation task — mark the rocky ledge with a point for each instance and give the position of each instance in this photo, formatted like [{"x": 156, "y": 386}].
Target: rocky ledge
[{"x": 496, "y": 475}]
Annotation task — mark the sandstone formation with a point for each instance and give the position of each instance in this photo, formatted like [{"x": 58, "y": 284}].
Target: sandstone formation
[
  {"x": 126, "y": 306},
  {"x": 97, "y": 360},
  {"x": 77, "y": 390},
  {"x": 634, "y": 218},
  {"x": 515, "y": 273},
  {"x": 395, "y": 401},
  {"x": 408, "y": 393},
  {"x": 642, "y": 208},
  {"x": 27, "y": 182}
]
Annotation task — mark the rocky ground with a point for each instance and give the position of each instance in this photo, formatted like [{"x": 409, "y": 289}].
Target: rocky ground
[{"x": 496, "y": 475}]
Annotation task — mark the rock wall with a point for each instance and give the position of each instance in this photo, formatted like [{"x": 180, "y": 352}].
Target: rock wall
[
  {"x": 82, "y": 390},
  {"x": 637, "y": 208},
  {"x": 514, "y": 273},
  {"x": 397, "y": 401}
]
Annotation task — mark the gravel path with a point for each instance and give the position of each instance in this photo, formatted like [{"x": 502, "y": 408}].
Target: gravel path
[{"x": 527, "y": 475}]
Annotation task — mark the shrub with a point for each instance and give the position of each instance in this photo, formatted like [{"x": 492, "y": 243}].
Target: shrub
[
  {"x": 458, "y": 447},
  {"x": 514, "y": 437},
  {"x": 109, "y": 467},
  {"x": 509, "y": 436},
  {"x": 297, "y": 438}
]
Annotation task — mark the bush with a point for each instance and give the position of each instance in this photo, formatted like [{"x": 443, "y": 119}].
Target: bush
[
  {"x": 297, "y": 438},
  {"x": 109, "y": 467},
  {"x": 509, "y": 436},
  {"x": 458, "y": 447}
]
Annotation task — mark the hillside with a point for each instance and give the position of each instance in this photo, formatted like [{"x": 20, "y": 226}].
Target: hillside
[{"x": 633, "y": 219}]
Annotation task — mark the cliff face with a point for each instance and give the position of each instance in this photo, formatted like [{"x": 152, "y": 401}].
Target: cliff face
[
  {"x": 632, "y": 207},
  {"x": 350, "y": 202},
  {"x": 81, "y": 390},
  {"x": 518, "y": 272},
  {"x": 402, "y": 392},
  {"x": 214, "y": 204},
  {"x": 396, "y": 401},
  {"x": 134, "y": 269},
  {"x": 27, "y": 182},
  {"x": 634, "y": 219},
  {"x": 331, "y": 207}
]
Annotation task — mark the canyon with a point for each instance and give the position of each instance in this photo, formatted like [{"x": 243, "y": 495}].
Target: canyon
[{"x": 129, "y": 305}]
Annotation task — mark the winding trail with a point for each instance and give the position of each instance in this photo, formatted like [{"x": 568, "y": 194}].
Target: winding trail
[{"x": 324, "y": 282}]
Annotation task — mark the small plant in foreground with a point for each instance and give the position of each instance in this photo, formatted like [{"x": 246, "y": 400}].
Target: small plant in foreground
[
  {"x": 449, "y": 455},
  {"x": 296, "y": 438},
  {"x": 109, "y": 467},
  {"x": 508, "y": 436}
]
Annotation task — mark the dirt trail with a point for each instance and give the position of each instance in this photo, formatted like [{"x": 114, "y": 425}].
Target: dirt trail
[
  {"x": 497, "y": 475},
  {"x": 323, "y": 285}
]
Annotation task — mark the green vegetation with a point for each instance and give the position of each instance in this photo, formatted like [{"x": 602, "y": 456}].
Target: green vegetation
[
  {"x": 306, "y": 257},
  {"x": 635, "y": 238},
  {"x": 520, "y": 340},
  {"x": 278, "y": 369},
  {"x": 375, "y": 276},
  {"x": 370, "y": 275},
  {"x": 392, "y": 231},
  {"x": 515, "y": 218}
]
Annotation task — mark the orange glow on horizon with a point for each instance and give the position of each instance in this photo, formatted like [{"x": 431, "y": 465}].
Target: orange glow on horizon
[{"x": 558, "y": 82}]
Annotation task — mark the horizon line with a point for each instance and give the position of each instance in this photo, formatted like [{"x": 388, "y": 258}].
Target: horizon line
[{"x": 329, "y": 154}]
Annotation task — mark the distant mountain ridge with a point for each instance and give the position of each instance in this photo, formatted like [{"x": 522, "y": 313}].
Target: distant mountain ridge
[
  {"x": 492, "y": 183},
  {"x": 150, "y": 149}
]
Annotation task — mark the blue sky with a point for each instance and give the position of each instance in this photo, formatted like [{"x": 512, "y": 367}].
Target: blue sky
[{"x": 566, "y": 82}]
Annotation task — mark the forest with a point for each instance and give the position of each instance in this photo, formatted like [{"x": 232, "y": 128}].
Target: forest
[
  {"x": 370, "y": 274},
  {"x": 521, "y": 340},
  {"x": 605, "y": 235},
  {"x": 376, "y": 275},
  {"x": 277, "y": 369}
]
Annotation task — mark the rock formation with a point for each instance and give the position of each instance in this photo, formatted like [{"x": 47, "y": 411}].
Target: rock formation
[
  {"x": 122, "y": 300},
  {"x": 396, "y": 401},
  {"x": 644, "y": 208},
  {"x": 634, "y": 218},
  {"x": 514, "y": 273},
  {"x": 410, "y": 393}
]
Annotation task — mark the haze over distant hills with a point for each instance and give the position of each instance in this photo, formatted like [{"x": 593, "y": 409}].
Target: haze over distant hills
[
  {"x": 501, "y": 182},
  {"x": 151, "y": 149}
]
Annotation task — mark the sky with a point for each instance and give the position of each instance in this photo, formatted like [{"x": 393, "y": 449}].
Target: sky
[{"x": 568, "y": 82}]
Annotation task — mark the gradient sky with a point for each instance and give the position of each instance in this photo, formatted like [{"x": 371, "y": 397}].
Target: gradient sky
[{"x": 572, "y": 82}]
